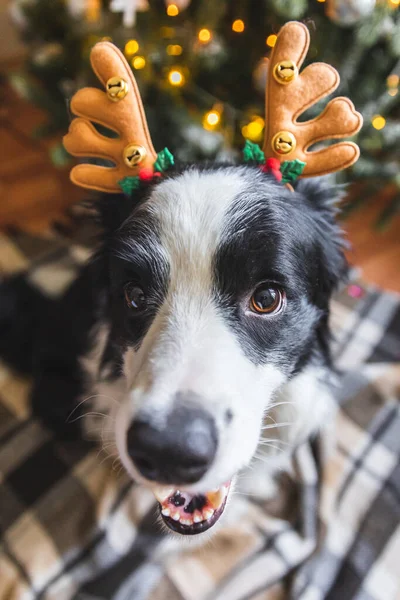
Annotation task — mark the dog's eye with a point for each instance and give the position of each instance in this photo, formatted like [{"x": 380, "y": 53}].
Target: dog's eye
[
  {"x": 135, "y": 297},
  {"x": 267, "y": 300}
]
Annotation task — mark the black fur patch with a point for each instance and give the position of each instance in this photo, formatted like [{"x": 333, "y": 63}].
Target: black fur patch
[{"x": 291, "y": 240}]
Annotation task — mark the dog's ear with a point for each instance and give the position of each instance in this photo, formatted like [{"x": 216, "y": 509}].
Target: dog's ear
[
  {"x": 323, "y": 199},
  {"x": 113, "y": 210}
]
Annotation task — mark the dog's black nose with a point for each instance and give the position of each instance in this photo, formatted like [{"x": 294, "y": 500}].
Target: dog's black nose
[{"x": 178, "y": 453}]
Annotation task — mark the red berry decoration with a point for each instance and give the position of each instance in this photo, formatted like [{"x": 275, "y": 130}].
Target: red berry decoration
[
  {"x": 146, "y": 174},
  {"x": 273, "y": 165}
]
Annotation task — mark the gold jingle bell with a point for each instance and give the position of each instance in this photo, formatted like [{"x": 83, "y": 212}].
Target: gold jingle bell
[
  {"x": 283, "y": 142},
  {"x": 284, "y": 72},
  {"x": 134, "y": 155},
  {"x": 117, "y": 89}
]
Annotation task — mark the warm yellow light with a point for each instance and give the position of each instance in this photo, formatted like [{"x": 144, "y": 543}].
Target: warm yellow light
[
  {"x": 253, "y": 131},
  {"x": 174, "y": 50},
  {"x": 378, "y": 122},
  {"x": 394, "y": 2},
  {"x": 258, "y": 120},
  {"x": 131, "y": 47},
  {"x": 204, "y": 35},
  {"x": 238, "y": 26},
  {"x": 393, "y": 92},
  {"x": 139, "y": 62},
  {"x": 393, "y": 80},
  {"x": 320, "y": 0},
  {"x": 106, "y": 38},
  {"x": 211, "y": 119},
  {"x": 176, "y": 77},
  {"x": 271, "y": 40},
  {"x": 172, "y": 10},
  {"x": 93, "y": 9}
]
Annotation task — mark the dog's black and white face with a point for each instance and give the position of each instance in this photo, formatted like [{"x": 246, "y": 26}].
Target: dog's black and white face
[{"x": 219, "y": 287}]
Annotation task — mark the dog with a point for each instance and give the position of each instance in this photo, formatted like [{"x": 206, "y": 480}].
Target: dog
[{"x": 200, "y": 326}]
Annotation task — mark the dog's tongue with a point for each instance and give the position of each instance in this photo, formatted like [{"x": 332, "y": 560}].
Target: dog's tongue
[{"x": 191, "y": 513}]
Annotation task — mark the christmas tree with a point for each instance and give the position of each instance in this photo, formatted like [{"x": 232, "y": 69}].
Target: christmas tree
[{"x": 201, "y": 69}]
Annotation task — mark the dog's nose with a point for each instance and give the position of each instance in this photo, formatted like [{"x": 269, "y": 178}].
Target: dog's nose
[{"x": 179, "y": 453}]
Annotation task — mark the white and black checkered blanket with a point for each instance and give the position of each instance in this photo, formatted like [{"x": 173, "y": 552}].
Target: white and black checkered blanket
[{"x": 72, "y": 527}]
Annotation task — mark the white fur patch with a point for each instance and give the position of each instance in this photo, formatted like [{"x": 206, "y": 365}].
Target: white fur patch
[{"x": 189, "y": 347}]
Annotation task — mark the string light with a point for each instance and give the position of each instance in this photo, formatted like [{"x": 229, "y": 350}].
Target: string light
[
  {"x": 176, "y": 77},
  {"x": 139, "y": 62},
  {"x": 204, "y": 35},
  {"x": 393, "y": 84},
  {"x": 253, "y": 130},
  {"x": 174, "y": 50},
  {"x": 212, "y": 118},
  {"x": 131, "y": 47},
  {"x": 172, "y": 10},
  {"x": 378, "y": 122},
  {"x": 393, "y": 80},
  {"x": 238, "y": 26},
  {"x": 93, "y": 9},
  {"x": 320, "y": 0},
  {"x": 271, "y": 40}
]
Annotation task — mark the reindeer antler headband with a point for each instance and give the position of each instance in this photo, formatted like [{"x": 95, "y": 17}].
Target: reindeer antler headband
[{"x": 285, "y": 150}]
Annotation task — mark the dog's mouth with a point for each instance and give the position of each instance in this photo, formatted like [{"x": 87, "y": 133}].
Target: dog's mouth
[{"x": 190, "y": 514}]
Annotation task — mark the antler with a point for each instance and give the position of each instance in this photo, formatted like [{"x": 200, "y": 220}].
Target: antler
[
  {"x": 289, "y": 94},
  {"x": 121, "y": 110}
]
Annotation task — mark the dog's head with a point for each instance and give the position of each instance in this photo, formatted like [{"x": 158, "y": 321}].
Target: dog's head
[{"x": 218, "y": 281}]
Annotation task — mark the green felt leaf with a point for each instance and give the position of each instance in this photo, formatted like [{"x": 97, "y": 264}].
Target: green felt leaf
[
  {"x": 129, "y": 184},
  {"x": 164, "y": 161},
  {"x": 253, "y": 153},
  {"x": 292, "y": 169}
]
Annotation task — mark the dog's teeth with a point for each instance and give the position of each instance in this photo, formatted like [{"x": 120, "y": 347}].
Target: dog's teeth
[
  {"x": 166, "y": 512},
  {"x": 216, "y": 498},
  {"x": 176, "y": 516},
  {"x": 163, "y": 493},
  {"x": 197, "y": 517},
  {"x": 186, "y": 522},
  {"x": 208, "y": 513}
]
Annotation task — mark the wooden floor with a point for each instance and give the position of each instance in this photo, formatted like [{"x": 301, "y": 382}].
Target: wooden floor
[
  {"x": 376, "y": 253},
  {"x": 33, "y": 194}
]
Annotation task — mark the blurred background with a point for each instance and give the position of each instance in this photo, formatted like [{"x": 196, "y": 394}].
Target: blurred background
[{"x": 201, "y": 68}]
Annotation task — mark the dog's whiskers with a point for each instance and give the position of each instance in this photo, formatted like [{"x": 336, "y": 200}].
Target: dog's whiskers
[
  {"x": 285, "y": 424},
  {"x": 116, "y": 463},
  {"x": 266, "y": 459},
  {"x": 86, "y": 400},
  {"x": 267, "y": 441},
  {"x": 89, "y": 414}
]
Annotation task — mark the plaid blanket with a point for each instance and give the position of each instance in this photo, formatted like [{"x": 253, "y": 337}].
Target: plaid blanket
[{"x": 73, "y": 526}]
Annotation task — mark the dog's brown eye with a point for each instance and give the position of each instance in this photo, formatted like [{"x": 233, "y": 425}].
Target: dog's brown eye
[
  {"x": 266, "y": 300},
  {"x": 135, "y": 297}
]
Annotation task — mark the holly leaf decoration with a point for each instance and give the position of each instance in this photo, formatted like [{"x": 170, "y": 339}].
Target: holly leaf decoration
[
  {"x": 253, "y": 153},
  {"x": 164, "y": 161},
  {"x": 129, "y": 184},
  {"x": 291, "y": 170}
]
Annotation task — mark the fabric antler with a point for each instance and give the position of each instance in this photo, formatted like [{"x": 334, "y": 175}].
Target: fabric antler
[
  {"x": 289, "y": 93},
  {"x": 120, "y": 109}
]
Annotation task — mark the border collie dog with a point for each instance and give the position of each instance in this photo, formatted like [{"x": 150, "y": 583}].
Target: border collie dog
[{"x": 201, "y": 326}]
